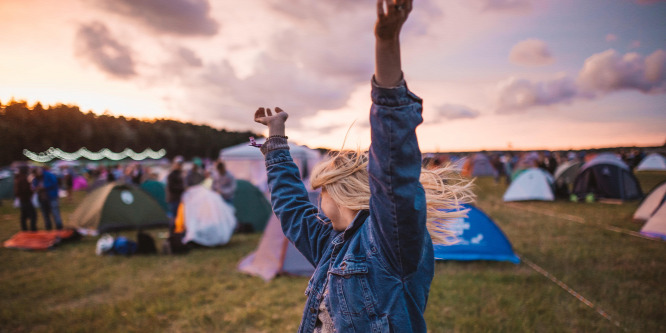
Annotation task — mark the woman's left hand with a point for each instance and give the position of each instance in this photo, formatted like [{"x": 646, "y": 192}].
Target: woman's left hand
[{"x": 275, "y": 122}]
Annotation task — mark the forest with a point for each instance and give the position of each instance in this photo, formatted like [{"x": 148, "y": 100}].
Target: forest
[{"x": 66, "y": 127}]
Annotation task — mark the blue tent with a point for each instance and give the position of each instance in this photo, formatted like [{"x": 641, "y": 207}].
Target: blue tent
[{"x": 479, "y": 239}]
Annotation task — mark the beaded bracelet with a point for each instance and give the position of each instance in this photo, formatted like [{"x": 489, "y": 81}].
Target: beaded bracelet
[{"x": 278, "y": 136}]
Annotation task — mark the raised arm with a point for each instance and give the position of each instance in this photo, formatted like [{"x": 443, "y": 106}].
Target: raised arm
[
  {"x": 397, "y": 202},
  {"x": 391, "y": 15},
  {"x": 300, "y": 219}
]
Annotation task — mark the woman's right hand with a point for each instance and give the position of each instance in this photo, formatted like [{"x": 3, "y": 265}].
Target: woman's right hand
[{"x": 275, "y": 122}]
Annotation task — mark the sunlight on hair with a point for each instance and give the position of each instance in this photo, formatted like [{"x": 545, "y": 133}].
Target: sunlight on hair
[{"x": 344, "y": 175}]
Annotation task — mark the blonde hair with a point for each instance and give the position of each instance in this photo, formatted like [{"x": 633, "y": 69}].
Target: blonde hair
[{"x": 344, "y": 176}]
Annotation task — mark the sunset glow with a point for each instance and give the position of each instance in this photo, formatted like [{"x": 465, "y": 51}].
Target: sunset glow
[{"x": 524, "y": 74}]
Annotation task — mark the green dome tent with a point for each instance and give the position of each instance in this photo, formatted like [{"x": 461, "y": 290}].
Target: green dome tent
[
  {"x": 115, "y": 207},
  {"x": 6, "y": 185},
  {"x": 157, "y": 190},
  {"x": 252, "y": 208}
]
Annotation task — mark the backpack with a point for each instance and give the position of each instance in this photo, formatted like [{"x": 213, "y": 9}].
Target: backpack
[{"x": 124, "y": 246}]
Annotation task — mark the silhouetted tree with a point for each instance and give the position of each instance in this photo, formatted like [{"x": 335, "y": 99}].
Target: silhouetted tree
[{"x": 66, "y": 127}]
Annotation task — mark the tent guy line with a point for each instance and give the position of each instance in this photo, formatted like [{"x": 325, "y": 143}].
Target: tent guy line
[
  {"x": 571, "y": 291},
  {"x": 582, "y": 221}
]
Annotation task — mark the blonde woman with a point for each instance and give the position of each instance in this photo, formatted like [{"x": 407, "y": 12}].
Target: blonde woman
[{"x": 369, "y": 242}]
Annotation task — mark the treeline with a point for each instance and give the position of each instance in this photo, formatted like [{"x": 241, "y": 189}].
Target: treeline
[{"x": 68, "y": 128}]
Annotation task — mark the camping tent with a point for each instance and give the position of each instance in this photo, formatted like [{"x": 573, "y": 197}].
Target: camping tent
[
  {"x": 565, "y": 175},
  {"x": 479, "y": 239},
  {"x": 6, "y": 185},
  {"x": 651, "y": 203},
  {"x": 252, "y": 207},
  {"x": 478, "y": 166},
  {"x": 567, "y": 172},
  {"x": 209, "y": 221},
  {"x": 531, "y": 184},
  {"x": 652, "y": 210},
  {"x": 157, "y": 190},
  {"x": 606, "y": 176},
  {"x": 652, "y": 162},
  {"x": 117, "y": 206},
  {"x": 246, "y": 162},
  {"x": 276, "y": 254}
]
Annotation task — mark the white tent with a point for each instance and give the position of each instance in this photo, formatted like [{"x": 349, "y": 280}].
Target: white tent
[
  {"x": 531, "y": 184},
  {"x": 651, "y": 203},
  {"x": 652, "y": 210},
  {"x": 652, "y": 162},
  {"x": 209, "y": 221},
  {"x": 247, "y": 162}
]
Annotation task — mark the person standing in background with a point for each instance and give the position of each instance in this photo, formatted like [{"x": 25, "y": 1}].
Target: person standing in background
[
  {"x": 175, "y": 186},
  {"x": 46, "y": 185},
  {"x": 23, "y": 192},
  {"x": 223, "y": 182}
]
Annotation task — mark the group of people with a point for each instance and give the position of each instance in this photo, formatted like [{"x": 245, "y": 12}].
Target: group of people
[
  {"x": 37, "y": 187},
  {"x": 178, "y": 180}
]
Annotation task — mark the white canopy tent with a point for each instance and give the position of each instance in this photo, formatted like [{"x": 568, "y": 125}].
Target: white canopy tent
[{"x": 247, "y": 162}]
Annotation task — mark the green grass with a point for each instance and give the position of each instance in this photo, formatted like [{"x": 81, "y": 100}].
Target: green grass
[{"x": 70, "y": 289}]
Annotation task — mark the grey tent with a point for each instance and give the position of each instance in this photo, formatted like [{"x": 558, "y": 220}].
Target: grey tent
[
  {"x": 565, "y": 175},
  {"x": 607, "y": 177}
]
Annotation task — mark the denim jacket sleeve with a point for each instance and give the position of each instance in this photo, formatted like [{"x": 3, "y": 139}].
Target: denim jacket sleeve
[
  {"x": 301, "y": 221},
  {"x": 397, "y": 202}
]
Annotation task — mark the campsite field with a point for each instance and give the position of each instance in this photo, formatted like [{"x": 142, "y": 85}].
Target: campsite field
[{"x": 589, "y": 247}]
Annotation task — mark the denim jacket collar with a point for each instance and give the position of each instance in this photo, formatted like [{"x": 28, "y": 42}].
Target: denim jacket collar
[{"x": 356, "y": 223}]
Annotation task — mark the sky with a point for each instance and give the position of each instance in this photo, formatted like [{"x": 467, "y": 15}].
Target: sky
[{"x": 493, "y": 74}]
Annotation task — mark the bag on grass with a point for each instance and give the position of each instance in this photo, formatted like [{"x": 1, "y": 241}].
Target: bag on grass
[
  {"x": 124, "y": 246},
  {"x": 104, "y": 245}
]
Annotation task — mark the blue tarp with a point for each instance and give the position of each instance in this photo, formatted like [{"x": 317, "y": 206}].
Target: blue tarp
[{"x": 479, "y": 239}]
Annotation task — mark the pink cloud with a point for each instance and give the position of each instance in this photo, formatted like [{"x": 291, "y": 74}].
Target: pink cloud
[
  {"x": 602, "y": 73},
  {"x": 611, "y": 37},
  {"x": 517, "y": 95},
  {"x": 609, "y": 71},
  {"x": 531, "y": 52},
  {"x": 500, "y": 5},
  {"x": 453, "y": 111},
  {"x": 95, "y": 43},
  {"x": 180, "y": 17}
]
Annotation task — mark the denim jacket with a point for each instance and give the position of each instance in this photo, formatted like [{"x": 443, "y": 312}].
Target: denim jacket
[{"x": 379, "y": 269}]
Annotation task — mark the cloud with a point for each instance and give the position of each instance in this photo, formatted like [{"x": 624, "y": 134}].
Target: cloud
[
  {"x": 454, "y": 111},
  {"x": 609, "y": 71},
  {"x": 180, "y": 17},
  {"x": 500, "y": 5},
  {"x": 275, "y": 82},
  {"x": 187, "y": 57},
  {"x": 311, "y": 62},
  {"x": 520, "y": 94},
  {"x": 602, "y": 73},
  {"x": 95, "y": 43},
  {"x": 531, "y": 52},
  {"x": 635, "y": 44},
  {"x": 611, "y": 37}
]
